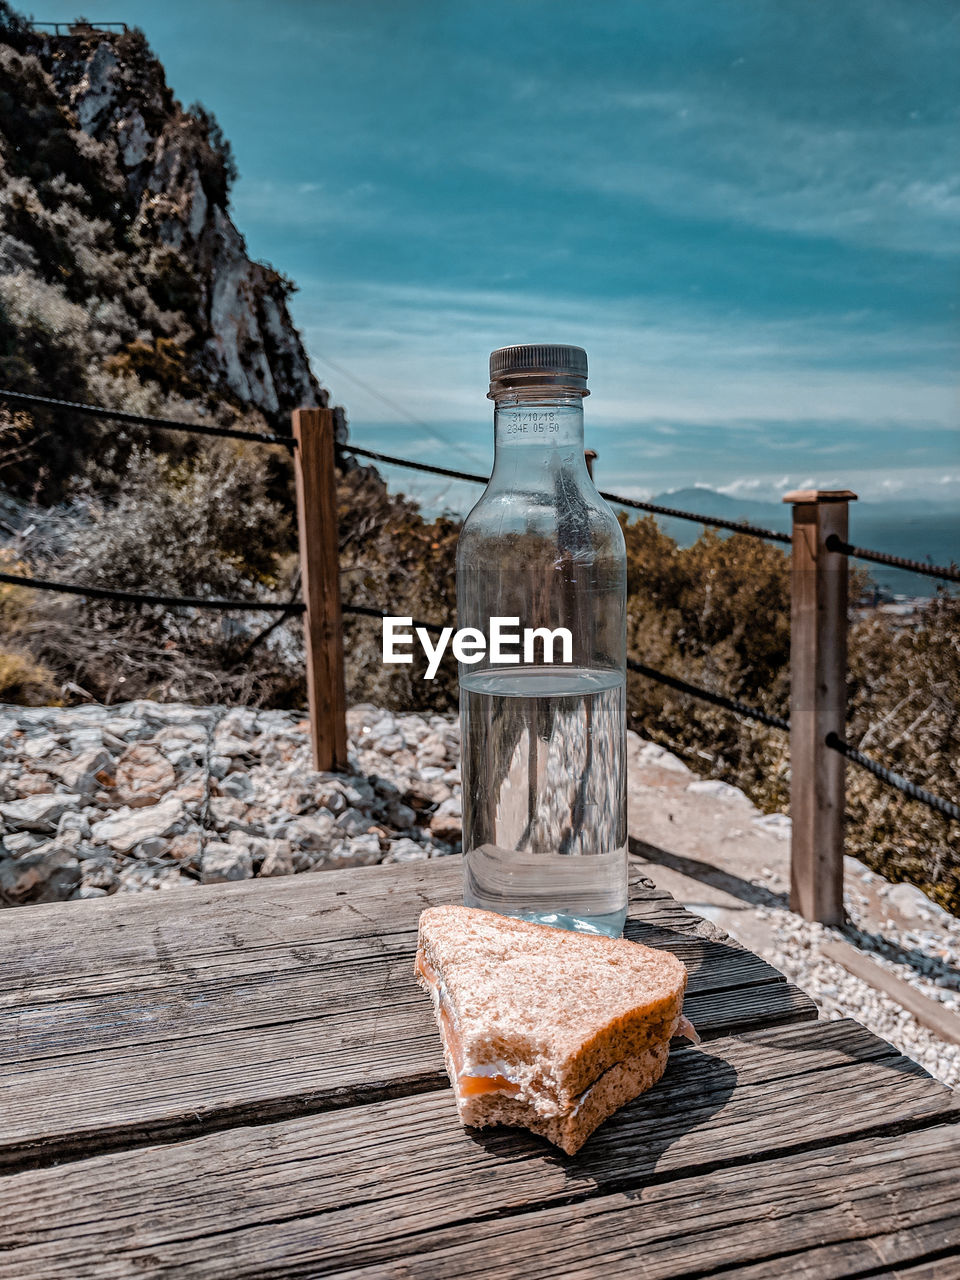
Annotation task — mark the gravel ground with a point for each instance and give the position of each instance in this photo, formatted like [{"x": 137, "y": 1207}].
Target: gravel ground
[
  {"x": 926, "y": 957},
  {"x": 144, "y": 796}
]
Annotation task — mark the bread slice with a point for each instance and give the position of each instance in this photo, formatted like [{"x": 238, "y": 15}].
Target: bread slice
[{"x": 542, "y": 1027}]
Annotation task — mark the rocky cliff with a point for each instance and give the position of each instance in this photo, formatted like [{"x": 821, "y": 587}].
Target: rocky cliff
[{"x": 123, "y": 278}]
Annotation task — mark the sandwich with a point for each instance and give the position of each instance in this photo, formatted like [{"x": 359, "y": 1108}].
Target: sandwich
[{"x": 544, "y": 1028}]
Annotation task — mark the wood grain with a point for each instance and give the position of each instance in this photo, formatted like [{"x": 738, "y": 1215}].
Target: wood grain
[
  {"x": 818, "y": 700},
  {"x": 73, "y": 946},
  {"x": 848, "y": 1210},
  {"x": 268, "y": 1001},
  {"x": 298, "y": 1042},
  {"x": 313, "y": 465},
  {"x": 397, "y": 1188}
]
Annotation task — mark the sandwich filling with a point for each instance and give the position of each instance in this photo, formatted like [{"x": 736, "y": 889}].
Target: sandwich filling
[
  {"x": 486, "y": 1078},
  {"x": 467, "y": 1085}
]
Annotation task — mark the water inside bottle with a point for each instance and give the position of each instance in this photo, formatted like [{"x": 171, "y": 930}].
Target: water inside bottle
[{"x": 544, "y": 778}]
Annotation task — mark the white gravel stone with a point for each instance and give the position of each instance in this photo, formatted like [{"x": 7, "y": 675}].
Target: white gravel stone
[
  {"x": 39, "y": 813},
  {"x": 221, "y": 862},
  {"x": 128, "y": 827}
]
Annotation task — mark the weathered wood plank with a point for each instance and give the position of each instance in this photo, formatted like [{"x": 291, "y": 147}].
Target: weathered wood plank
[
  {"x": 83, "y": 944},
  {"x": 294, "y": 999},
  {"x": 847, "y": 1210},
  {"x": 171, "y": 1064},
  {"x": 293, "y": 984},
  {"x": 397, "y": 1187}
]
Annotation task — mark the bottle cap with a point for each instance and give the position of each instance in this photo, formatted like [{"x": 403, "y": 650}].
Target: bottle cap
[{"x": 533, "y": 365}]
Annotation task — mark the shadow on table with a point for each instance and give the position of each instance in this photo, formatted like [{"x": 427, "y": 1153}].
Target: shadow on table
[{"x": 629, "y": 1146}]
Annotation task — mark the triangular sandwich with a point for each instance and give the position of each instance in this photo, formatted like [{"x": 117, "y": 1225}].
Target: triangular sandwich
[{"x": 545, "y": 1028}]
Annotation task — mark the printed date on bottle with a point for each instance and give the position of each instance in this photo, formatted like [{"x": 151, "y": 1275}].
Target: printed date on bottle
[{"x": 531, "y": 422}]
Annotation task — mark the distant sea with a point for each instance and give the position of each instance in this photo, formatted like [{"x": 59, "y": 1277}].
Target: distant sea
[
  {"x": 924, "y": 529},
  {"x": 920, "y": 530}
]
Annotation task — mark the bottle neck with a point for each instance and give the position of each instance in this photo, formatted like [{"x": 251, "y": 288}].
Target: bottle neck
[{"x": 538, "y": 421}]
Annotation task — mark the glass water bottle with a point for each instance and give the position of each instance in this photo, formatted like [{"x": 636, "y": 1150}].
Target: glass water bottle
[{"x": 543, "y": 743}]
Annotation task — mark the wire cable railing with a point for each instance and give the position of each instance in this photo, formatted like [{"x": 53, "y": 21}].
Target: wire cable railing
[
  {"x": 147, "y": 420},
  {"x": 146, "y": 598},
  {"x": 947, "y": 573},
  {"x": 295, "y": 607},
  {"x": 715, "y": 522},
  {"x": 892, "y": 778}
]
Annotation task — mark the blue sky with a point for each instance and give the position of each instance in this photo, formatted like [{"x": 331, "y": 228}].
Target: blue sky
[{"x": 749, "y": 215}]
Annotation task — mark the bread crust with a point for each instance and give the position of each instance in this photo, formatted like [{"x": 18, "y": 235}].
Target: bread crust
[
  {"x": 580, "y": 1024},
  {"x": 615, "y": 1088}
]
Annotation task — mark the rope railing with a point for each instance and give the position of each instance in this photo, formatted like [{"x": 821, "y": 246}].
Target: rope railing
[
  {"x": 708, "y": 695},
  {"x": 140, "y": 597},
  {"x": 366, "y": 611},
  {"x": 409, "y": 464},
  {"x": 297, "y": 607},
  {"x": 947, "y": 573},
  {"x": 715, "y": 522},
  {"x": 147, "y": 420},
  {"x": 892, "y": 778}
]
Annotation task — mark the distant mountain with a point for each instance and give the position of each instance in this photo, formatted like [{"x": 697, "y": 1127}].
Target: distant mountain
[{"x": 927, "y": 531}]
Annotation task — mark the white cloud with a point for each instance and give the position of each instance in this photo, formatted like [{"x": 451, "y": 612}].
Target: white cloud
[{"x": 652, "y": 362}]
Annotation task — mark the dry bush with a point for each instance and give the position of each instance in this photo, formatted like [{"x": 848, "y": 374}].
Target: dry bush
[
  {"x": 393, "y": 560},
  {"x": 716, "y": 614},
  {"x": 205, "y": 527},
  {"x": 905, "y": 712}
]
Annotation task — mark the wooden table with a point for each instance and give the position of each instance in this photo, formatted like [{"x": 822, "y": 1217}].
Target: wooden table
[{"x": 244, "y": 1081}]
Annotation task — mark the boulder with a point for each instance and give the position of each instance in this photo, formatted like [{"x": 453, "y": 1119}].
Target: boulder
[
  {"x": 185, "y": 848},
  {"x": 406, "y": 850},
  {"x": 278, "y": 860},
  {"x": 61, "y": 884},
  {"x": 88, "y": 771},
  {"x": 39, "y": 747},
  {"x": 27, "y": 877},
  {"x": 141, "y": 879},
  {"x": 359, "y": 851},
  {"x": 228, "y": 814},
  {"x": 401, "y": 815},
  {"x": 352, "y": 822},
  {"x": 238, "y": 785},
  {"x": 312, "y": 832},
  {"x": 21, "y": 842},
  {"x": 144, "y": 775},
  {"x": 447, "y": 823}
]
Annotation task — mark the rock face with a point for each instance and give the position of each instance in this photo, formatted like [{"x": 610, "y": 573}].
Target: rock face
[
  {"x": 164, "y": 794},
  {"x": 107, "y": 170}
]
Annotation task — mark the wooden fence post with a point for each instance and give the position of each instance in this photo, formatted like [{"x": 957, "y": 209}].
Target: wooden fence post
[
  {"x": 320, "y": 574},
  {"x": 818, "y": 701}
]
